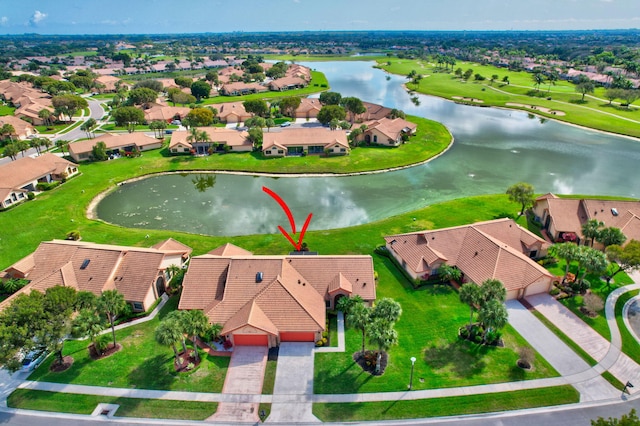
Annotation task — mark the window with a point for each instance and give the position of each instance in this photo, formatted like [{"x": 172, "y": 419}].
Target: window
[
  {"x": 533, "y": 254},
  {"x": 375, "y": 138},
  {"x": 174, "y": 149},
  {"x": 343, "y": 150},
  {"x": 137, "y": 306},
  {"x": 280, "y": 151}
]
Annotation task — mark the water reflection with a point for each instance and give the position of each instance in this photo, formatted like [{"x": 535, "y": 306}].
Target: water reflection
[{"x": 494, "y": 148}]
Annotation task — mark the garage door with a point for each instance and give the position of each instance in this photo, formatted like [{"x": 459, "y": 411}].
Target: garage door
[
  {"x": 291, "y": 336},
  {"x": 535, "y": 288},
  {"x": 251, "y": 339}
]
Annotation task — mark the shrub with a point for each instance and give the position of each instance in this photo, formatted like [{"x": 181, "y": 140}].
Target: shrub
[
  {"x": 102, "y": 341},
  {"x": 593, "y": 303},
  {"x": 463, "y": 333},
  {"x": 492, "y": 337},
  {"x": 527, "y": 356},
  {"x": 47, "y": 186},
  {"x": 31, "y": 195},
  {"x": 227, "y": 344},
  {"x": 554, "y": 291},
  {"x": 73, "y": 235}
]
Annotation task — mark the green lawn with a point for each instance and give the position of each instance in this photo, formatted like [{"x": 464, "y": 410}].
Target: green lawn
[
  {"x": 6, "y": 110},
  {"x": 51, "y": 129},
  {"x": 427, "y": 329},
  {"x": 630, "y": 345},
  {"x": 142, "y": 363},
  {"x": 129, "y": 407},
  {"x": 449, "y": 406},
  {"x": 595, "y": 113}
]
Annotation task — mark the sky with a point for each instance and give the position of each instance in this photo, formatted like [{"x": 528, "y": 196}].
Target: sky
[{"x": 217, "y": 16}]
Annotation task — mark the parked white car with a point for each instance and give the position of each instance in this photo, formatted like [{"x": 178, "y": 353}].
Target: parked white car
[{"x": 32, "y": 360}]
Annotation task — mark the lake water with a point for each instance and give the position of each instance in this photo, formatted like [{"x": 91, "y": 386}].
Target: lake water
[{"x": 493, "y": 149}]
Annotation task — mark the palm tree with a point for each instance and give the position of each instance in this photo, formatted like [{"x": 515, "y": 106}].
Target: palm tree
[
  {"x": 195, "y": 324},
  {"x": 386, "y": 310},
  {"x": 7, "y": 130},
  {"x": 180, "y": 318},
  {"x": 493, "y": 316},
  {"x": 21, "y": 146},
  {"x": 62, "y": 144},
  {"x": 90, "y": 325},
  {"x": 358, "y": 317},
  {"x": 492, "y": 290},
  {"x": 383, "y": 336},
  {"x": 168, "y": 334},
  {"x": 46, "y": 142},
  {"x": 591, "y": 229},
  {"x": 611, "y": 236},
  {"x": 594, "y": 261},
  {"x": 88, "y": 127},
  {"x": 552, "y": 77},
  {"x": 470, "y": 294},
  {"x": 45, "y": 115},
  {"x": 566, "y": 251},
  {"x": 10, "y": 151},
  {"x": 448, "y": 273},
  {"x": 112, "y": 304},
  {"x": 35, "y": 143}
]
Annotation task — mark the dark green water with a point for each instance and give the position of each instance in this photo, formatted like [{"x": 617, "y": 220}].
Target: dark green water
[{"x": 493, "y": 149}]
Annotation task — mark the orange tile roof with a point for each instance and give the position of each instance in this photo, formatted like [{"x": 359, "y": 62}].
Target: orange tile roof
[
  {"x": 113, "y": 141},
  {"x": 291, "y": 292},
  {"x": 484, "y": 250},
  {"x": 229, "y": 249},
  {"x": 24, "y": 170},
  {"x": 173, "y": 245},
  {"x": 130, "y": 270},
  {"x": 304, "y": 136},
  {"x": 230, "y": 137}
]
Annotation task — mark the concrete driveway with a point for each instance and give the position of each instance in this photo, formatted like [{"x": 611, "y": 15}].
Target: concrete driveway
[
  {"x": 592, "y": 386},
  {"x": 293, "y": 385},
  {"x": 244, "y": 376}
]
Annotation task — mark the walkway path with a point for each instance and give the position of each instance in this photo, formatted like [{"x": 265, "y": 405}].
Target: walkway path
[
  {"x": 593, "y": 388},
  {"x": 244, "y": 377},
  {"x": 608, "y": 354},
  {"x": 294, "y": 384}
]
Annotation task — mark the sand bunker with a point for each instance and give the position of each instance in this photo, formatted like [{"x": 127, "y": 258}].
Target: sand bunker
[
  {"x": 460, "y": 98},
  {"x": 536, "y": 108}
]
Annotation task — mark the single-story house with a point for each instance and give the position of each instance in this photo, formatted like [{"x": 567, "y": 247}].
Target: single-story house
[
  {"x": 266, "y": 300},
  {"x": 30, "y": 110},
  {"x": 297, "y": 70},
  {"x": 22, "y": 129},
  {"x": 497, "y": 249},
  {"x": 128, "y": 142},
  {"x": 287, "y": 83},
  {"x": 373, "y": 112},
  {"x": 232, "y": 112},
  {"x": 140, "y": 274},
  {"x": 219, "y": 139},
  {"x": 165, "y": 113},
  {"x": 21, "y": 176},
  {"x": 239, "y": 88},
  {"x": 308, "y": 108},
  {"x": 386, "y": 131},
  {"x": 305, "y": 140},
  {"x": 109, "y": 83},
  {"x": 562, "y": 218}
]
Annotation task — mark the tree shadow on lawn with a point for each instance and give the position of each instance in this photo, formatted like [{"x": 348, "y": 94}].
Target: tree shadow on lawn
[
  {"x": 463, "y": 358},
  {"x": 154, "y": 373},
  {"x": 345, "y": 381}
]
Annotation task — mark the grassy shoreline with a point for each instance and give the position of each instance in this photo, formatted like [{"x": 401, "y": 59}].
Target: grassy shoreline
[{"x": 595, "y": 113}]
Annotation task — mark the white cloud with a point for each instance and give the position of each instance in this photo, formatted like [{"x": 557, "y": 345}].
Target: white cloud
[
  {"x": 37, "y": 17},
  {"x": 3, "y": 21}
]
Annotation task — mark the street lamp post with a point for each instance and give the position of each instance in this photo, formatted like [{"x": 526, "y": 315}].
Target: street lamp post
[{"x": 413, "y": 362}]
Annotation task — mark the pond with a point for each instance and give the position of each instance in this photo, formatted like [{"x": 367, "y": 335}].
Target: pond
[{"x": 493, "y": 149}]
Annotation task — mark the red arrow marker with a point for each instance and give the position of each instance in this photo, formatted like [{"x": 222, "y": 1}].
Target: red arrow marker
[{"x": 296, "y": 244}]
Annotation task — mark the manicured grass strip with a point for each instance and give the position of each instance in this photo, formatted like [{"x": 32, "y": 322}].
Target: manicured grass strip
[
  {"x": 333, "y": 330},
  {"x": 266, "y": 407},
  {"x": 450, "y": 406},
  {"x": 129, "y": 407},
  {"x": 6, "y": 110},
  {"x": 269, "y": 377},
  {"x": 630, "y": 345},
  {"x": 567, "y": 341},
  {"x": 614, "y": 382}
]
